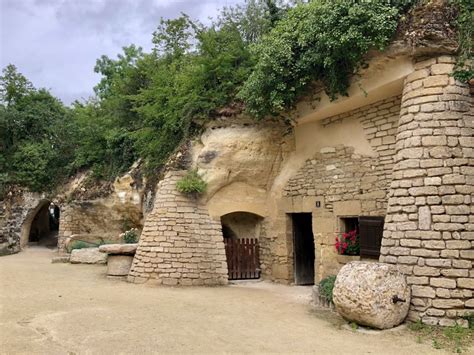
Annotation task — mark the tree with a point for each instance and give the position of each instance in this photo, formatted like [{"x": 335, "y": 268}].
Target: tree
[
  {"x": 13, "y": 85},
  {"x": 172, "y": 37},
  {"x": 113, "y": 71},
  {"x": 36, "y": 135}
]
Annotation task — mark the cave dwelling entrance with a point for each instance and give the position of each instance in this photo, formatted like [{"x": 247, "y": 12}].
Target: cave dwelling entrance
[
  {"x": 41, "y": 225},
  {"x": 241, "y": 231}
]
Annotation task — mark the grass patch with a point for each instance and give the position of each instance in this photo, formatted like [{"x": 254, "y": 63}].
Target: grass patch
[
  {"x": 456, "y": 338},
  {"x": 192, "y": 183},
  {"x": 82, "y": 244},
  {"x": 79, "y": 244}
]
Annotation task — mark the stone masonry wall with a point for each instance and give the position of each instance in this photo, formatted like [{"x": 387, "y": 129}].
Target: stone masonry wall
[
  {"x": 69, "y": 224},
  {"x": 11, "y": 219},
  {"x": 17, "y": 210},
  {"x": 335, "y": 175},
  {"x": 339, "y": 174},
  {"x": 180, "y": 243},
  {"x": 429, "y": 229}
]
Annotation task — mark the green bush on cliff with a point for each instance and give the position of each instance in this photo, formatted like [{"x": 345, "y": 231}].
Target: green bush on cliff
[
  {"x": 323, "y": 41},
  {"x": 263, "y": 56},
  {"x": 191, "y": 183}
]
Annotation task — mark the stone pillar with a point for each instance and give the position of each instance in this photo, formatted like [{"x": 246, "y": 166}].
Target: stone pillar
[
  {"x": 429, "y": 228},
  {"x": 180, "y": 243},
  {"x": 69, "y": 224}
]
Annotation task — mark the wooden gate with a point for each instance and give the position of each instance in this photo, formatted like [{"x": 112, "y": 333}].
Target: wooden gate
[{"x": 242, "y": 258}]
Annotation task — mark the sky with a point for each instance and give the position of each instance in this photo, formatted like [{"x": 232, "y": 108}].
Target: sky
[{"x": 55, "y": 43}]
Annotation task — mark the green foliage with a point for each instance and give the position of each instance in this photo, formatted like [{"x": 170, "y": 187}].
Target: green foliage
[
  {"x": 191, "y": 183},
  {"x": 14, "y": 85},
  {"x": 323, "y": 41},
  {"x": 79, "y": 244},
  {"x": 148, "y": 104},
  {"x": 265, "y": 54},
  {"x": 36, "y": 135},
  {"x": 127, "y": 224},
  {"x": 130, "y": 236},
  {"x": 455, "y": 338},
  {"x": 470, "y": 320},
  {"x": 326, "y": 287},
  {"x": 253, "y": 19},
  {"x": 464, "y": 70}
]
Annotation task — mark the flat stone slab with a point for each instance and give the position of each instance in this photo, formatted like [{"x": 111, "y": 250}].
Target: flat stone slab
[
  {"x": 119, "y": 265},
  {"x": 119, "y": 249},
  {"x": 88, "y": 256}
]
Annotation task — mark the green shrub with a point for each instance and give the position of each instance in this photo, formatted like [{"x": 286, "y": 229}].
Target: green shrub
[
  {"x": 464, "y": 69},
  {"x": 470, "y": 320},
  {"x": 323, "y": 41},
  {"x": 191, "y": 183},
  {"x": 79, "y": 244},
  {"x": 326, "y": 286},
  {"x": 130, "y": 236}
]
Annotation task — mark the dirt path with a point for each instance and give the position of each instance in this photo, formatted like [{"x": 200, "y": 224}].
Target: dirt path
[{"x": 65, "y": 309}]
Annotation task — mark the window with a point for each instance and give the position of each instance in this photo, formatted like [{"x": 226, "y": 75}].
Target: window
[
  {"x": 349, "y": 224},
  {"x": 371, "y": 233}
]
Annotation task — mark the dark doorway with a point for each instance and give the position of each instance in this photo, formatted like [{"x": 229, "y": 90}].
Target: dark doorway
[
  {"x": 45, "y": 225},
  {"x": 303, "y": 248}
]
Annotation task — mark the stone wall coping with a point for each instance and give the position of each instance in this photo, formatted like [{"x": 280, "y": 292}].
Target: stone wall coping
[{"x": 127, "y": 249}]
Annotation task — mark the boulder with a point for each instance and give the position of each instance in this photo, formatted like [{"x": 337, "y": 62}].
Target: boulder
[
  {"x": 120, "y": 249},
  {"x": 88, "y": 256},
  {"x": 372, "y": 294},
  {"x": 119, "y": 265}
]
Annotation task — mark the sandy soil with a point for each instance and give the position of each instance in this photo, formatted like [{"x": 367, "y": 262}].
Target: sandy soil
[{"x": 74, "y": 309}]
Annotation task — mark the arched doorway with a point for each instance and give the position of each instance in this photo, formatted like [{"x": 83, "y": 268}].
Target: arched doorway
[
  {"x": 241, "y": 231},
  {"x": 41, "y": 225},
  {"x": 238, "y": 225}
]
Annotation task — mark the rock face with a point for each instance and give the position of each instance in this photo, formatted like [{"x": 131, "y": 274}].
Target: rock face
[
  {"x": 88, "y": 256},
  {"x": 372, "y": 294},
  {"x": 247, "y": 154}
]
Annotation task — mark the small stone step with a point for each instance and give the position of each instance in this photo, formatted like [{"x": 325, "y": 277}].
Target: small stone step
[{"x": 60, "y": 259}]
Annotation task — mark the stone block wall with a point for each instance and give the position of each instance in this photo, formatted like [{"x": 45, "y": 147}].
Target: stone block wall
[
  {"x": 346, "y": 183},
  {"x": 339, "y": 174},
  {"x": 429, "y": 229},
  {"x": 11, "y": 219},
  {"x": 180, "y": 243},
  {"x": 69, "y": 224},
  {"x": 16, "y": 214}
]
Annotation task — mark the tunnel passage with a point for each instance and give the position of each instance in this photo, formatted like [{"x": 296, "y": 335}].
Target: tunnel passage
[{"x": 45, "y": 225}]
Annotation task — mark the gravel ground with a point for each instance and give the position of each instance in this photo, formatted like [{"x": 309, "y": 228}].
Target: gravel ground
[{"x": 74, "y": 309}]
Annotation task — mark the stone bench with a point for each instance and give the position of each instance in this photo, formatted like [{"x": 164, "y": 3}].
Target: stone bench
[{"x": 120, "y": 257}]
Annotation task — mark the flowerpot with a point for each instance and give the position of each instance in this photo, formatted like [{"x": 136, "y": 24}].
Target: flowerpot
[{"x": 344, "y": 259}]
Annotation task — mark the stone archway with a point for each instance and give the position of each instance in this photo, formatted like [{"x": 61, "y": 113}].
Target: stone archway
[{"x": 39, "y": 226}]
